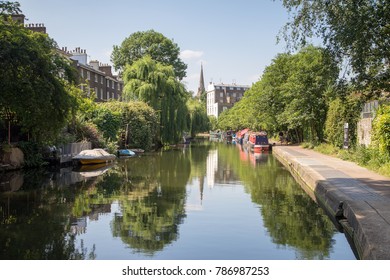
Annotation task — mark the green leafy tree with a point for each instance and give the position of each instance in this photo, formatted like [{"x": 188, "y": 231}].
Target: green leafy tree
[
  {"x": 151, "y": 43},
  {"x": 31, "y": 87},
  {"x": 138, "y": 119},
  {"x": 355, "y": 30},
  {"x": 155, "y": 84},
  {"x": 9, "y": 8},
  {"x": 291, "y": 95},
  {"x": 313, "y": 73},
  {"x": 198, "y": 120}
]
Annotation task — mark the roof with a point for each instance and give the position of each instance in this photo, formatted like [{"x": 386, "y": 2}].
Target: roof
[{"x": 230, "y": 85}]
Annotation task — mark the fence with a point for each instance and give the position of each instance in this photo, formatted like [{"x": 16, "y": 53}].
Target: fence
[{"x": 68, "y": 151}]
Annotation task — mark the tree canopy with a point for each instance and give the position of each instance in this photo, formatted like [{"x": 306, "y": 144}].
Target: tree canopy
[
  {"x": 357, "y": 31},
  {"x": 151, "y": 43},
  {"x": 31, "y": 87},
  {"x": 154, "y": 83},
  {"x": 9, "y": 8},
  {"x": 291, "y": 95}
]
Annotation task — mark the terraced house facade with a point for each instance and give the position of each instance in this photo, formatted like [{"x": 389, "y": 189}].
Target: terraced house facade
[{"x": 93, "y": 76}]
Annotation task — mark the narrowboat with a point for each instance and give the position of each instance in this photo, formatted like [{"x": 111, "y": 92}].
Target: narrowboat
[{"x": 258, "y": 142}]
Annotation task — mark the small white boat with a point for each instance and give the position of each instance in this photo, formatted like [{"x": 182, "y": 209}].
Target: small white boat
[
  {"x": 125, "y": 153},
  {"x": 94, "y": 156}
]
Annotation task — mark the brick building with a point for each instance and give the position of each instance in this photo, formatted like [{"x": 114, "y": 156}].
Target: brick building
[
  {"x": 221, "y": 97},
  {"x": 93, "y": 76}
]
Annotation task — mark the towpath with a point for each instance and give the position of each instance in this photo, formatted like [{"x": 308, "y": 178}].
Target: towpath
[{"x": 357, "y": 197}]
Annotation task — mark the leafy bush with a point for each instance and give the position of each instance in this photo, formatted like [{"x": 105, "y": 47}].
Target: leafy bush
[
  {"x": 381, "y": 130},
  {"x": 32, "y": 154},
  {"x": 107, "y": 121},
  {"x": 88, "y": 131},
  {"x": 342, "y": 110},
  {"x": 334, "y": 125},
  {"x": 139, "y": 119}
]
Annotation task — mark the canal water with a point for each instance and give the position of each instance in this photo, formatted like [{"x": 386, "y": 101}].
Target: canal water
[{"x": 209, "y": 201}]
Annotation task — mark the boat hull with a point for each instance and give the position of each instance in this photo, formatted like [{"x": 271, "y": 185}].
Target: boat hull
[
  {"x": 260, "y": 148},
  {"x": 94, "y": 156},
  {"x": 96, "y": 160},
  {"x": 258, "y": 142}
]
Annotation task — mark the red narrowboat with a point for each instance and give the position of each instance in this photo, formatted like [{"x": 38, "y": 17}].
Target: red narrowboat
[{"x": 258, "y": 142}]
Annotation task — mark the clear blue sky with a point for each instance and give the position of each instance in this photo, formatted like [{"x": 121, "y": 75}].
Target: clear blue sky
[{"x": 235, "y": 39}]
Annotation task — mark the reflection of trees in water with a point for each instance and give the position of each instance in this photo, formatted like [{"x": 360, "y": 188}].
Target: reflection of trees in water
[
  {"x": 35, "y": 222},
  {"x": 198, "y": 156},
  {"x": 153, "y": 205},
  {"x": 291, "y": 217},
  {"x": 42, "y": 219}
]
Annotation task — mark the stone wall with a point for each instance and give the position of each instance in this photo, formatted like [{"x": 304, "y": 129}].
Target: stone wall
[
  {"x": 12, "y": 158},
  {"x": 364, "y": 127}
]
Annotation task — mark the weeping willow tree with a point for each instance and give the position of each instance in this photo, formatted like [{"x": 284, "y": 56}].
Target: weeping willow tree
[{"x": 155, "y": 84}]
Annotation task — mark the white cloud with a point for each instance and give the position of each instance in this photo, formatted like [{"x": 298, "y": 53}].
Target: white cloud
[{"x": 190, "y": 54}]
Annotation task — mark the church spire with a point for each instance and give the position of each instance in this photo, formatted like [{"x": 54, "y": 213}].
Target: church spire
[{"x": 201, "y": 87}]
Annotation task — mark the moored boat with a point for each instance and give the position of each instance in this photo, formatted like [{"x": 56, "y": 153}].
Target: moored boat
[
  {"x": 240, "y": 136},
  {"x": 258, "y": 142},
  {"x": 94, "y": 156},
  {"x": 137, "y": 151},
  {"x": 125, "y": 153}
]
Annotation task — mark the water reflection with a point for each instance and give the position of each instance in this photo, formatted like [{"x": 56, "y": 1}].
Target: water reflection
[
  {"x": 152, "y": 209},
  {"x": 291, "y": 218},
  {"x": 34, "y": 216},
  {"x": 49, "y": 215}
]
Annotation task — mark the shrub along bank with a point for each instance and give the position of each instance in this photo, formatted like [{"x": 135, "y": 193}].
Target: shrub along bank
[{"x": 375, "y": 157}]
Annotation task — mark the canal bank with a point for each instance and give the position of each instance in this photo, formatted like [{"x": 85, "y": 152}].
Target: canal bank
[{"x": 355, "y": 196}]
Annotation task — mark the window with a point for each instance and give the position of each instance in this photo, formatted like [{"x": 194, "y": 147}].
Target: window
[
  {"x": 234, "y": 94},
  {"x": 101, "y": 79},
  {"x": 96, "y": 78},
  {"x": 96, "y": 91},
  {"x": 224, "y": 108},
  {"x": 82, "y": 73},
  {"x": 113, "y": 85},
  {"x": 108, "y": 83},
  {"x": 88, "y": 75},
  {"x": 221, "y": 94},
  {"x": 108, "y": 95},
  {"x": 101, "y": 93},
  {"x": 231, "y": 88}
]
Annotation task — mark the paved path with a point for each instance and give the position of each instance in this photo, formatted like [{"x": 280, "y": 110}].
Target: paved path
[{"x": 356, "y": 196}]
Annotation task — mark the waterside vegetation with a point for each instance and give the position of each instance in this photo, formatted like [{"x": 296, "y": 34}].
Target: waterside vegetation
[
  {"x": 42, "y": 104},
  {"x": 311, "y": 92}
]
